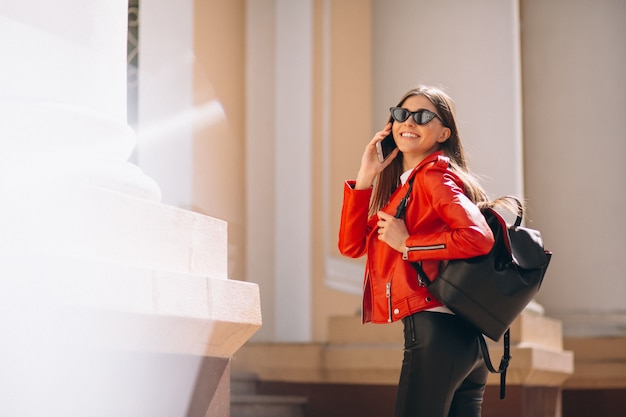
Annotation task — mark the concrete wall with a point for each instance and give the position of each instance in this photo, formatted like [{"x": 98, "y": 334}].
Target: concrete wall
[
  {"x": 574, "y": 69},
  {"x": 472, "y": 50}
]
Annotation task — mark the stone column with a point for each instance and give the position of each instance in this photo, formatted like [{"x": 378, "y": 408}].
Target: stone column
[
  {"x": 111, "y": 302},
  {"x": 63, "y": 96}
]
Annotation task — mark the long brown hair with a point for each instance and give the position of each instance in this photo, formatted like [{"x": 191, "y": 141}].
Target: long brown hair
[{"x": 389, "y": 179}]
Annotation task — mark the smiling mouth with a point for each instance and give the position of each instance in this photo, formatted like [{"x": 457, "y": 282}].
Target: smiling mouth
[{"x": 408, "y": 135}]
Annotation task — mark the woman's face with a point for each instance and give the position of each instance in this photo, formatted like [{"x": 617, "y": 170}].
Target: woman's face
[{"x": 418, "y": 141}]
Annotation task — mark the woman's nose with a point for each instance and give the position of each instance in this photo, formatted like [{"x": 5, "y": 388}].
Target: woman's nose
[{"x": 410, "y": 121}]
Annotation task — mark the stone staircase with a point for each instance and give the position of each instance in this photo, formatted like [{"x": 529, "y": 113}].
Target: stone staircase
[
  {"x": 245, "y": 401},
  {"x": 364, "y": 361}
]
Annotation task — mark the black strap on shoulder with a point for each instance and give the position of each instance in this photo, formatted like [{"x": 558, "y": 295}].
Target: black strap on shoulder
[
  {"x": 421, "y": 275},
  {"x": 402, "y": 206}
]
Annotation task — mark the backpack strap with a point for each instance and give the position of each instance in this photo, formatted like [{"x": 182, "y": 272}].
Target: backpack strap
[
  {"x": 401, "y": 209},
  {"x": 504, "y": 362}
]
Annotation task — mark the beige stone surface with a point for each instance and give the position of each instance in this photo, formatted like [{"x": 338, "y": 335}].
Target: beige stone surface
[
  {"x": 600, "y": 362},
  {"x": 372, "y": 354}
]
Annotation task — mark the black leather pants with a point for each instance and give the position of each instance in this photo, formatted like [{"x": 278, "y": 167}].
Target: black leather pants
[{"x": 443, "y": 372}]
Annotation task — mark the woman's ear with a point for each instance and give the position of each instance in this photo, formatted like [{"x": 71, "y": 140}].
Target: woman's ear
[{"x": 445, "y": 134}]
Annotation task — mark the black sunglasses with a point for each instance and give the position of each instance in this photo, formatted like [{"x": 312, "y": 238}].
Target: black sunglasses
[{"x": 421, "y": 116}]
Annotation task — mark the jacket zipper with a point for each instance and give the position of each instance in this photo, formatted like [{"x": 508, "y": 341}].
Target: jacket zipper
[
  {"x": 431, "y": 247},
  {"x": 388, "y": 294},
  {"x": 365, "y": 284}
]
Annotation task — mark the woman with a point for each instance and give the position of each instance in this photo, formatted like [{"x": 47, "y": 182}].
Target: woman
[{"x": 443, "y": 372}]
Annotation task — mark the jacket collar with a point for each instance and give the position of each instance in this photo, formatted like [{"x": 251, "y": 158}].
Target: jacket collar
[{"x": 434, "y": 158}]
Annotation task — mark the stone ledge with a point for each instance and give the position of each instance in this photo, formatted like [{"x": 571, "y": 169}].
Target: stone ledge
[
  {"x": 536, "y": 330},
  {"x": 99, "y": 267},
  {"x": 362, "y": 364},
  {"x": 600, "y": 362},
  {"x": 90, "y": 222},
  {"x": 532, "y": 366},
  {"x": 529, "y": 329},
  {"x": 372, "y": 354},
  {"x": 296, "y": 362},
  {"x": 125, "y": 307}
]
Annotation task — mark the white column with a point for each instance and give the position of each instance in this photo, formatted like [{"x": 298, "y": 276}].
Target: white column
[
  {"x": 63, "y": 96},
  {"x": 293, "y": 182},
  {"x": 260, "y": 155},
  {"x": 166, "y": 113},
  {"x": 278, "y": 162}
]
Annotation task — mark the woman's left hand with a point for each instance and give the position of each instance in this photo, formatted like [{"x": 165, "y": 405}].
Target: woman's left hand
[{"x": 392, "y": 231}]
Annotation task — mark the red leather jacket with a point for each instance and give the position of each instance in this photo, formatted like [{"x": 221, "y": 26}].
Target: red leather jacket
[{"x": 443, "y": 224}]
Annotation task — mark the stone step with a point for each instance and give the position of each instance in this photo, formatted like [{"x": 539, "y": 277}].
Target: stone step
[
  {"x": 242, "y": 405},
  {"x": 243, "y": 383},
  {"x": 600, "y": 362},
  {"x": 529, "y": 329},
  {"x": 246, "y": 402}
]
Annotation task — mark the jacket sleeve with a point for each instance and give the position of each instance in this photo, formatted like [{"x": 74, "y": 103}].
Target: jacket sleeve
[
  {"x": 464, "y": 232},
  {"x": 353, "y": 227}
]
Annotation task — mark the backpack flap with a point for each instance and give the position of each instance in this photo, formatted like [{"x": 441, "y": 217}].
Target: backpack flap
[{"x": 527, "y": 248}]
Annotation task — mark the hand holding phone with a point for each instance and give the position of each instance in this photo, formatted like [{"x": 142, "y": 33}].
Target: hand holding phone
[{"x": 385, "y": 147}]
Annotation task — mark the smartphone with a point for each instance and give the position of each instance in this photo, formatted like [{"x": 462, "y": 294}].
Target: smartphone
[{"x": 385, "y": 147}]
